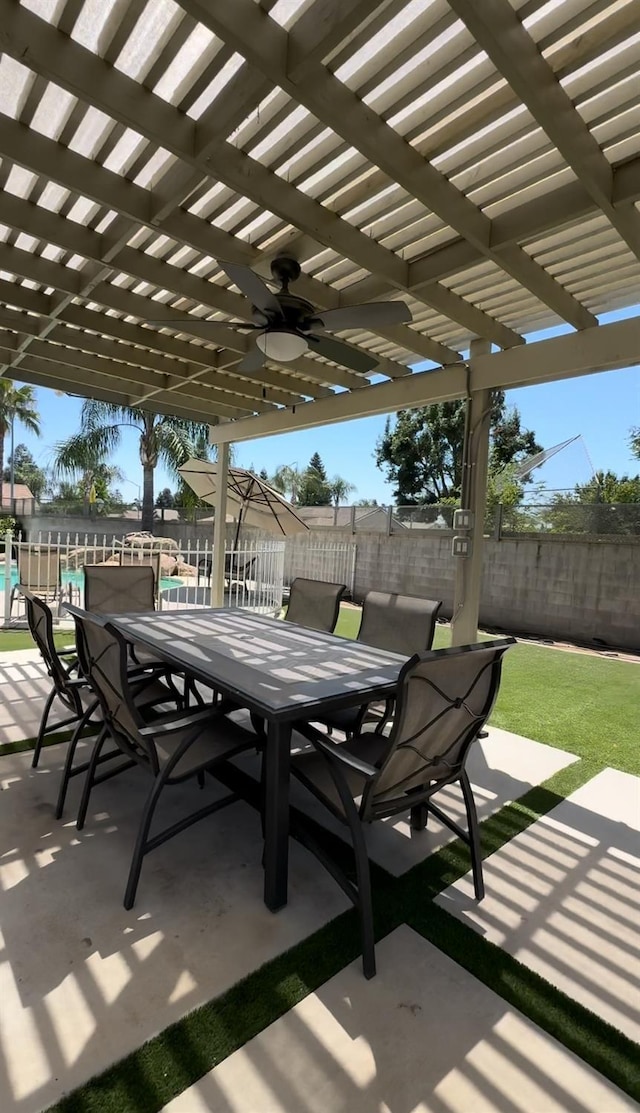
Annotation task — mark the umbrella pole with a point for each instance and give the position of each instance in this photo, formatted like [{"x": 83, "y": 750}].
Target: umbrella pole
[
  {"x": 237, "y": 537},
  {"x": 219, "y": 527}
]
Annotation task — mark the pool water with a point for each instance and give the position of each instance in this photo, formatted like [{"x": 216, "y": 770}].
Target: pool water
[{"x": 77, "y": 579}]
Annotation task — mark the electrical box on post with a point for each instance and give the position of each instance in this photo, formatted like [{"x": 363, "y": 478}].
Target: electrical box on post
[
  {"x": 463, "y": 519},
  {"x": 461, "y": 546}
]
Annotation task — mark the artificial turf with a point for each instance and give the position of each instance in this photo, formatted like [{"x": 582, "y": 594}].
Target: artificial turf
[{"x": 583, "y": 703}]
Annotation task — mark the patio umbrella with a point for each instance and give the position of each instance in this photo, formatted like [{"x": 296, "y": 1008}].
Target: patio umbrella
[{"x": 256, "y": 503}]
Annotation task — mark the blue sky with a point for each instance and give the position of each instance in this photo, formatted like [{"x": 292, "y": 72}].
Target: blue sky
[{"x": 601, "y": 407}]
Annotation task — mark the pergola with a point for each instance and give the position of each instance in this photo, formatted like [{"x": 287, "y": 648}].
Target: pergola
[{"x": 479, "y": 160}]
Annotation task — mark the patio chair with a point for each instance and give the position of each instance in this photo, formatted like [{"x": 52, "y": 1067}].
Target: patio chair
[
  {"x": 119, "y": 589},
  {"x": 172, "y": 748},
  {"x": 38, "y": 572},
  {"x": 314, "y": 604},
  {"x": 71, "y": 688},
  {"x": 139, "y": 558},
  {"x": 443, "y": 700},
  {"x": 402, "y": 624},
  {"x": 237, "y": 568}
]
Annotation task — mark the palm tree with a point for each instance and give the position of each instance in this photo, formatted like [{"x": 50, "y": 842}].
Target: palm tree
[
  {"x": 287, "y": 480},
  {"x": 17, "y": 403},
  {"x": 339, "y": 489},
  {"x": 80, "y": 458},
  {"x": 167, "y": 439}
]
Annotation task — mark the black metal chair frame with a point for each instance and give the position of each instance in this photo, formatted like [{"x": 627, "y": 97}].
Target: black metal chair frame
[
  {"x": 136, "y": 745},
  {"x": 418, "y": 800},
  {"x": 65, "y": 685}
]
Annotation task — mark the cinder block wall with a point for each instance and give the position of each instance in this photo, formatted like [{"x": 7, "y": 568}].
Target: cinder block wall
[{"x": 571, "y": 589}]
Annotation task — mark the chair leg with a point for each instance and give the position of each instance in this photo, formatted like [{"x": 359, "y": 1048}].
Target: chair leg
[
  {"x": 419, "y": 817},
  {"x": 68, "y": 765},
  {"x": 141, "y": 841},
  {"x": 365, "y": 905},
  {"x": 474, "y": 836},
  {"x": 43, "y": 728},
  {"x": 88, "y": 784}
]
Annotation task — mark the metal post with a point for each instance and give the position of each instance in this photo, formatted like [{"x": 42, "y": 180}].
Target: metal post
[
  {"x": 220, "y": 527},
  {"x": 12, "y": 473},
  {"x": 468, "y": 582}
]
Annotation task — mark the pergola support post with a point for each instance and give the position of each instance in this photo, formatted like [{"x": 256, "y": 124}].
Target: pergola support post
[
  {"x": 220, "y": 527},
  {"x": 468, "y": 581}
]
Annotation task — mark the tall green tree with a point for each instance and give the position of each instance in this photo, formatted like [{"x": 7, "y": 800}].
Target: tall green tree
[
  {"x": 314, "y": 489},
  {"x": 25, "y": 470},
  {"x": 608, "y": 504},
  {"x": 421, "y": 453},
  {"x": 165, "y": 499},
  {"x": 163, "y": 439},
  {"x": 17, "y": 403},
  {"x": 264, "y": 475},
  {"x": 634, "y": 441}
]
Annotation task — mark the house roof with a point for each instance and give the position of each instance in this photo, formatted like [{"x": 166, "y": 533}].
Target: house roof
[
  {"x": 21, "y": 493},
  {"x": 479, "y": 161}
]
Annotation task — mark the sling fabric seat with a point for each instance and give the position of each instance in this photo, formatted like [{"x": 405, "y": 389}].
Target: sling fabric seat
[
  {"x": 314, "y": 604},
  {"x": 38, "y": 572},
  {"x": 170, "y": 748},
  {"x": 403, "y": 624},
  {"x": 119, "y": 589},
  {"x": 443, "y": 700}
]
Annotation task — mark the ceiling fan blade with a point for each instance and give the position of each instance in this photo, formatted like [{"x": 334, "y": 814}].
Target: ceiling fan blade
[
  {"x": 254, "y": 360},
  {"x": 341, "y": 353},
  {"x": 252, "y": 287},
  {"x": 366, "y": 316},
  {"x": 208, "y": 330}
]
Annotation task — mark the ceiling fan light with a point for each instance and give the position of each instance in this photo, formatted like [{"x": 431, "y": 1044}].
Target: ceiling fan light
[{"x": 281, "y": 345}]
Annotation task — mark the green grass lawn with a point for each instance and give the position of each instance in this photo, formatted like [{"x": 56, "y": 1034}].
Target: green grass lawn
[
  {"x": 21, "y": 639},
  {"x": 576, "y": 701}
]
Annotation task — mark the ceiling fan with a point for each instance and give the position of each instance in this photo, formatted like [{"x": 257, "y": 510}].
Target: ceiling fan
[{"x": 288, "y": 325}]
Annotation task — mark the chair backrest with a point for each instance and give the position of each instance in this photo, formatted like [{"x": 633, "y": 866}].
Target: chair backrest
[
  {"x": 443, "y": 700},
  {"x": 137, "y": 557},
  {"x": 40, "y": 622},
  {"x": 400, "y": 623},
  {"x": 104, "y": 655},
  {"x": 38, "y": 568},
  {"x": 112, "y": 589},
  {"x": 314, "y": 604}
]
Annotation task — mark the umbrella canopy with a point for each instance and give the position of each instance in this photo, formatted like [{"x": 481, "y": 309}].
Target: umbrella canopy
[{"x": 257, "y": 504}]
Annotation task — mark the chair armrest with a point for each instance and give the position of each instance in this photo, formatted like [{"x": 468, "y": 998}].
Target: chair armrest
[
  {"x": 185, "y": 721},
  {"x": 67, "y": 651},
  {"x": 342, "y": 755}
]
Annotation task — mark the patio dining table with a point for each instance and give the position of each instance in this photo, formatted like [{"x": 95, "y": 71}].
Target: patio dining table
[{"x": 280, "y": 671}]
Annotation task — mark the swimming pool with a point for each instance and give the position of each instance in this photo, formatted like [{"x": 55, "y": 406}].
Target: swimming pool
[{"x": 77, "y": 579}]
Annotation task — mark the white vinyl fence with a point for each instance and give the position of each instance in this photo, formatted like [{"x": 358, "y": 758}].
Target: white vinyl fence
[{"x": 51, "y": 565}]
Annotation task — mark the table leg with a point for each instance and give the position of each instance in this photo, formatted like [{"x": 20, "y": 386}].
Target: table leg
[{"x": 276, "y": 804}]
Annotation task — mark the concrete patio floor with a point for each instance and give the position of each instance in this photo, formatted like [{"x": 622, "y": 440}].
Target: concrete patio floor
[
  {"x": 385, "y": 1045},
  {"x": 83, "y": 983}
]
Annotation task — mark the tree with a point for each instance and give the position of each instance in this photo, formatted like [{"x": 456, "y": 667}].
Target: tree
[
  {"x": 79, "y": 466},
  {"x": 609, "y": 504},
  {"x": 314, "y": 489},
  {"x": 25, "y": 470},
  {"x": 167, "y": 439},
  {"x": 264, "y": 475},
  {"x": 422, "y": 453},
  {"x": 634, "y": 441},
  {"x": 287, "y": 480},
  {"x": 165, "y": 500},
  {"x": 340, "y": 489},
  {"x": 17, "y": 403}
]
